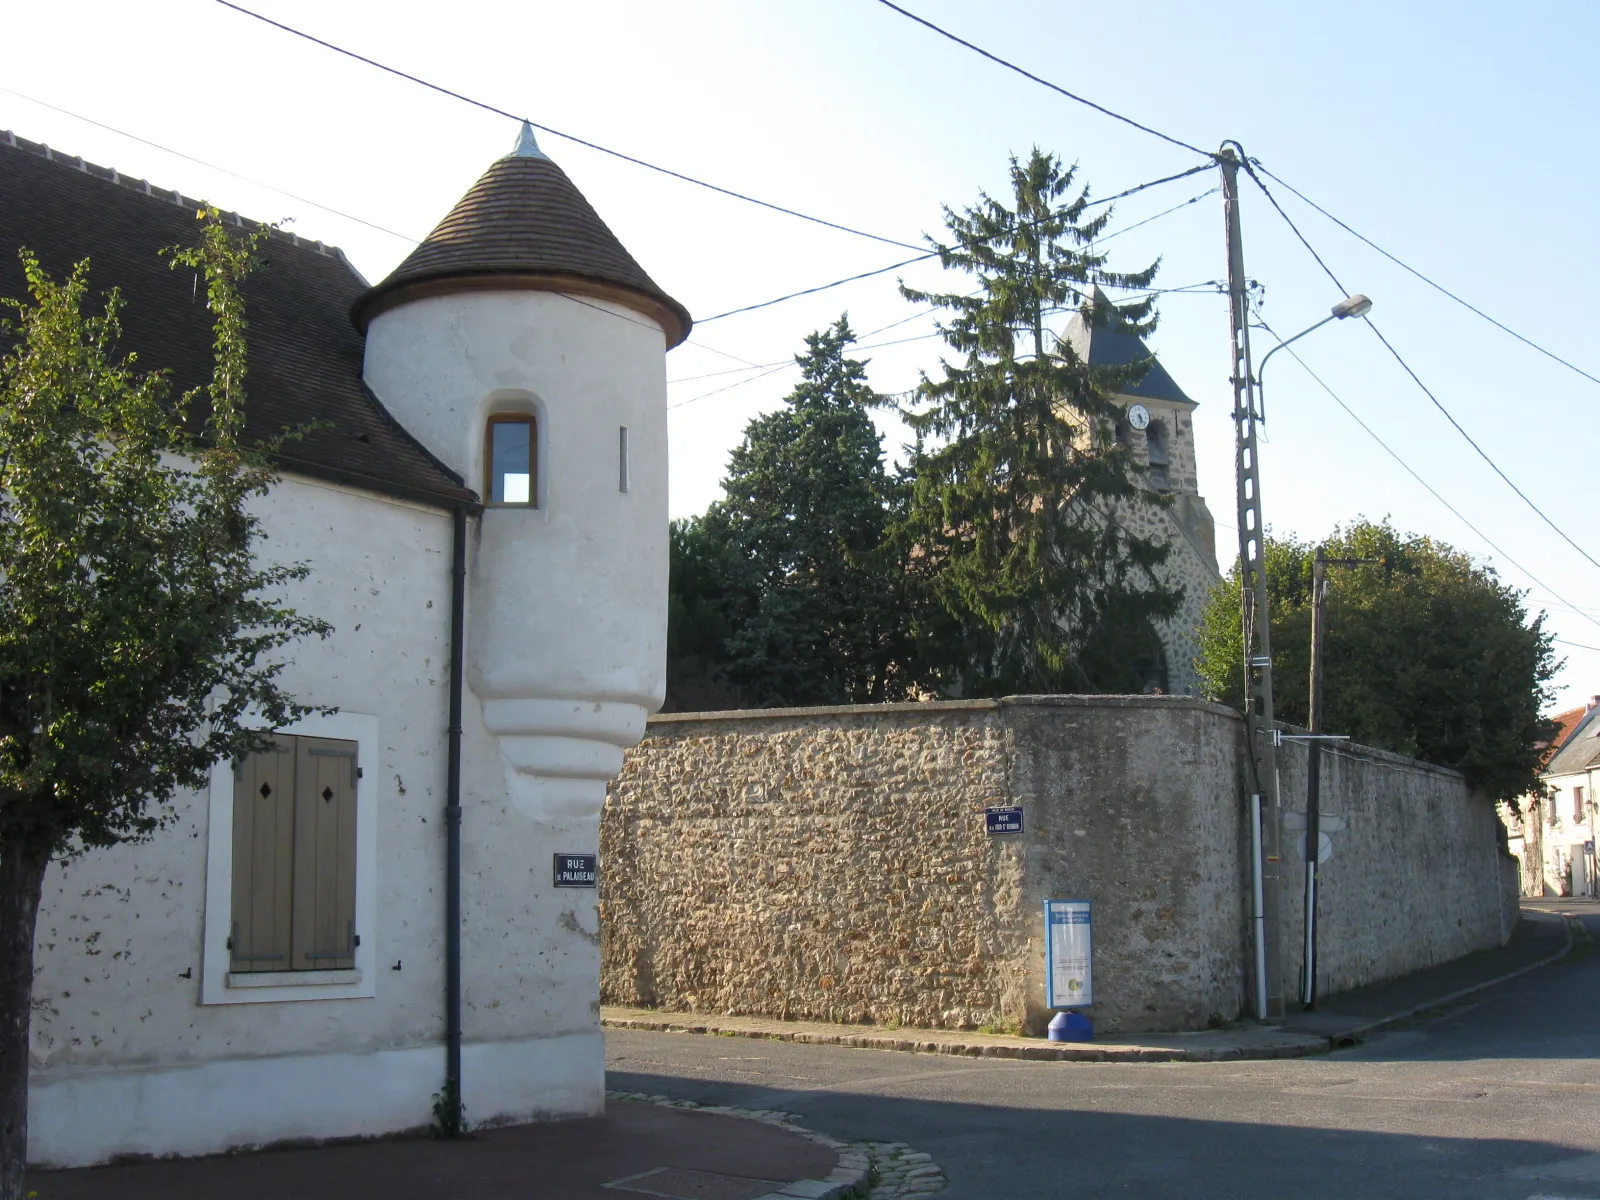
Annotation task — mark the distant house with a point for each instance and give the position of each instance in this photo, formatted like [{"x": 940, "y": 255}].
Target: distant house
[
  {"x": 482, "y": 505},
  {"x": 1569, "y": 778},
  {"x": 1158, "y": 424},
  {"x": 1552, "y": 833}
]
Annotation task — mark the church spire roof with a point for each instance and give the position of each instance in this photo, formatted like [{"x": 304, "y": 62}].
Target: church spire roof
[
  {"x": 1099, "y": 336},
  {"x": 524, "y": 225}
]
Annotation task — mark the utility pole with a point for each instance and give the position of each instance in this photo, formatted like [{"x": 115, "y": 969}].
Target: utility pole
[
  {"x": 1266, "y": 814},
  {"x": 1319, "y": 600}
]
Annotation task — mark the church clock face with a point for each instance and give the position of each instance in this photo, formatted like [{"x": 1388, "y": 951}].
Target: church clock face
[{"x": 1138, "y": 416}]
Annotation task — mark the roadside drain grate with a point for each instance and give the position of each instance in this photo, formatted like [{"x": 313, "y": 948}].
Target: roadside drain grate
[{"x": 679, "y": 1184}]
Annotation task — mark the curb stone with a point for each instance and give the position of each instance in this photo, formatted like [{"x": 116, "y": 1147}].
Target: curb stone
[
  {"x": 866, "y": 1170},
  {"x": 1288, "y": 1044}
]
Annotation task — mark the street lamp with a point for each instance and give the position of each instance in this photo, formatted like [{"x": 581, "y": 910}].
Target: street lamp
[{"x": 1351, "y": 306}]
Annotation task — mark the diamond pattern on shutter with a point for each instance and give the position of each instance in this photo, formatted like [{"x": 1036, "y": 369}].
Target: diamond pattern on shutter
[
  {"x": 263, "y": 860},
  {"x": 324, "y": 855}
]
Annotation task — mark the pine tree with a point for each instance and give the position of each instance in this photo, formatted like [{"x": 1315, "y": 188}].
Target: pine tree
[
  {"x": 813, "y": 611},
  {"x": 1013, "y": 520}
]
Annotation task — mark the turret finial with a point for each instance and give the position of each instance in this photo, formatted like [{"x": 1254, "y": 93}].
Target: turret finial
[{"x": 526, "y": 146}]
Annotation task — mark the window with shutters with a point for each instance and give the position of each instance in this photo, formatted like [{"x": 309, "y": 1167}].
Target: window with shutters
[{"x": 294, "y": 857}]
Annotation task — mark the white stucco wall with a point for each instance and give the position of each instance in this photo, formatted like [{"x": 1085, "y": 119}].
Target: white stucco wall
[
  {"x": 127, "y": 1056},
  {"x": 566, "y": 650}
]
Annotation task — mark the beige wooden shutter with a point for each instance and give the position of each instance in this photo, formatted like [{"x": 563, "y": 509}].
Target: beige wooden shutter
[
  {"x": 325, "y": 855},
  {"x": 263, "y": 859}
]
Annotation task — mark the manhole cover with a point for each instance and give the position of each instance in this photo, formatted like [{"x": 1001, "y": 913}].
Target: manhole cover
[{"x": 679, "y": 1184}]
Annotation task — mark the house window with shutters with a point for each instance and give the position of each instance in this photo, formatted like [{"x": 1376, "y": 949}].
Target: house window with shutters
[
  {"x": 292, "y": 867},
  {"x": 294, "y": 858}
]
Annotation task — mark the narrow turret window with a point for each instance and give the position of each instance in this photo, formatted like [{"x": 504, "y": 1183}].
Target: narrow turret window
[
  {"x": 510, "y": 458},
  {"x": 622, "y": 458}
]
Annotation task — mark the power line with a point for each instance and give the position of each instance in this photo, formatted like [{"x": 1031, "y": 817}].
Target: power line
[
  {"x": 1392, "y": 453},
  {"x": 500, "y": 112},
  {"x": 1164, "y": 213},
  {"x": 1415, "y": 378},
  {"x": 210, "y": 166},
  {"x": 1575, "y": 645},
  {"x": 1438, "y": 287},
  {"x": 261, "y": 183},
  {"x": 1054, "y": 87},
  {"x": 729, "y": 387},
  {"x": 936, "y": 253}
]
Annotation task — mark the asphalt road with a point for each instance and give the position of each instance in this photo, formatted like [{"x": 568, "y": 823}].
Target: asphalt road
[{"x": 1498, "y": 1099}]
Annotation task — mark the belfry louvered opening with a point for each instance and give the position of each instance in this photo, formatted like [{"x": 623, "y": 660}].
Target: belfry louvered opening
[{"x": 294, "y": 857}]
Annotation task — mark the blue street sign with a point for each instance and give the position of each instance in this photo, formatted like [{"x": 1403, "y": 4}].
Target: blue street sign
[
  {"x": 576, "y": 870},
  {"x": 1002, "y": 820}
]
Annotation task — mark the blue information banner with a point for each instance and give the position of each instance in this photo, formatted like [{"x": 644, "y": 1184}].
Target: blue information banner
[
  {"x": 1068, "y": 954},
  {"x": 1002, "y": 820}
]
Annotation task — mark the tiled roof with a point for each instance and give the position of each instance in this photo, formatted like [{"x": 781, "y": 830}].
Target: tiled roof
[
  {"x": 1110, "y": 344},
  {"x": 1579, "y": 749},
  {"x": 524, "y": 224},
  {"x": 305, "y": 359},
  {"x": 1566, "y": 722}
]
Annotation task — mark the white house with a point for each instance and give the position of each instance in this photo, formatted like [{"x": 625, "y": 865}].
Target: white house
[
  {"x": 1569, "y": 830},
  {"x": 329, "y": 931}
]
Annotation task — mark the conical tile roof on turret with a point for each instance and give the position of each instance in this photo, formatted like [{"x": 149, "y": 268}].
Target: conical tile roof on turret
[{"x": 524, "y": 225}]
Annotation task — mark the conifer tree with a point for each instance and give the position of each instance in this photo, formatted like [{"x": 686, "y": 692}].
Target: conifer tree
[
  {"x": 1012, "y": 523},
  {"x": 810, "y": 610}
]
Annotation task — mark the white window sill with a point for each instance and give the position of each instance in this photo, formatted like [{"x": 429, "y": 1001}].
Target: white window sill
[{"x": 279, "y": 979}]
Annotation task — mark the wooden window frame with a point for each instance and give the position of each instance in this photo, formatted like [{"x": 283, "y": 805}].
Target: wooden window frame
[{"x": 511, "y": 418}]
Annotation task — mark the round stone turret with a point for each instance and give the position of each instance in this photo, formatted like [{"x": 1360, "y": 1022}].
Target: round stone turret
[{"x": 524, "y": 346}]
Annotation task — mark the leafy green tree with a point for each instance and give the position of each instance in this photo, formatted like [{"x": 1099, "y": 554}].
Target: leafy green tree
[
  {"x": 1012, "y": 522},
  {"x": 1427, "y": 653},
  {"x": 784, "y": 592},
  {"x": 139, "y": 637}
]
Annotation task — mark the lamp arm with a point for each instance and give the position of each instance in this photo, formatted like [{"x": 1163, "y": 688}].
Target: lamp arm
[{"x": 1261, "y": 370}]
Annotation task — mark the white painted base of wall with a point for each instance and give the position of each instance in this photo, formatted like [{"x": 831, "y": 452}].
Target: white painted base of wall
[{"x": 78, "y": 1118}]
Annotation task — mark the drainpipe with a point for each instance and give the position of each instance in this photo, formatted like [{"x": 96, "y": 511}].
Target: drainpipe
[{"x": 452, "y": 811}]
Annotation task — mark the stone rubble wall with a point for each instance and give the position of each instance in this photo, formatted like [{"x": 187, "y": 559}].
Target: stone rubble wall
[
  {"x": 831, "y": 864},
  {"x": 1418, "y": 874}
]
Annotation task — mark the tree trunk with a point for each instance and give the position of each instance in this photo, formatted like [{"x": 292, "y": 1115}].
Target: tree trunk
[
  {"x": 21, "y": 878},
  {"x": 1533, "y": 847}
]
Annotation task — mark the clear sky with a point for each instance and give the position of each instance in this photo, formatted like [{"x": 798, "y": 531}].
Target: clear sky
[{"x": 1459, "y": 136}]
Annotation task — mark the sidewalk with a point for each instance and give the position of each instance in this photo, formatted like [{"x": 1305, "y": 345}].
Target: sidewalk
[
  {"x": 660, "y": 1149},
  {"x": 1540, "y": 937},
  {"x": 636, "y": 1149}
]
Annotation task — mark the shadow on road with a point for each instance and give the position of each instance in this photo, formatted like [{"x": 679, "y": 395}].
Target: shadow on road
[{"x": 991, "y": 1152}]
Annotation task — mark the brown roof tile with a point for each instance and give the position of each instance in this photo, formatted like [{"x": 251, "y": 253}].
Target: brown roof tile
[
  {"x": 524, "y": 224},
  {"x": 305, "y": 359}
]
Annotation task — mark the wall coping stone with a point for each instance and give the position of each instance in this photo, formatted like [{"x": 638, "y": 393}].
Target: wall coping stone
[{"x": 936, "y": 707}]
